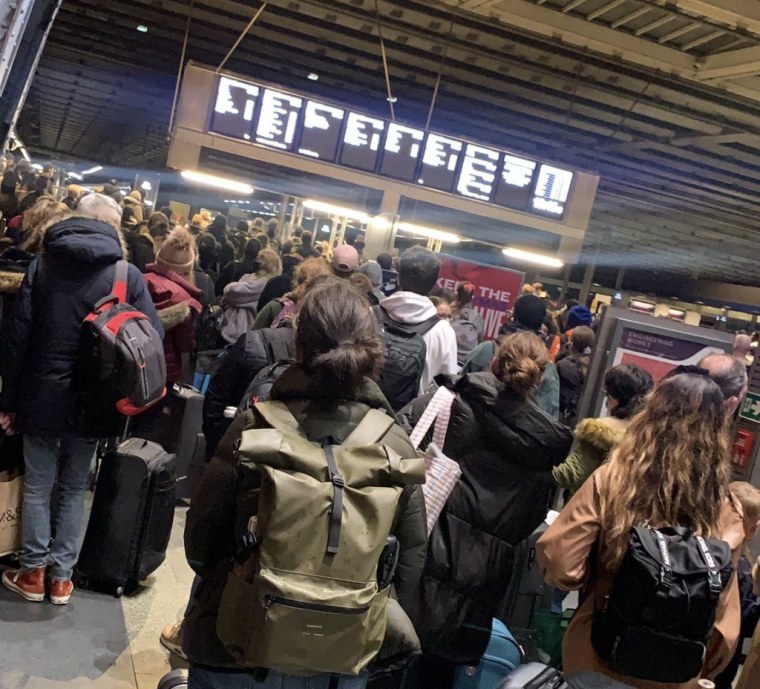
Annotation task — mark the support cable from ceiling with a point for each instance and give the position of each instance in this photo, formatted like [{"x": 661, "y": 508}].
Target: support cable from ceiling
[
  {"x": 241, "y": 37},
  {"x": 440, "y": 73},
  {"x": 180, "y": 67},
  {"x": 390, "y": 98}
]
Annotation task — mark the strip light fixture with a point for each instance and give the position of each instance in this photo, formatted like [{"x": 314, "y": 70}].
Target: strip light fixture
[
  {"x": 429, "y": 232},
  {"x": 217, "y": 182},
  {"x": 324, "y": 207},
  {"x": 90, "y": 171},
  {"x": 532, "y": 257}
]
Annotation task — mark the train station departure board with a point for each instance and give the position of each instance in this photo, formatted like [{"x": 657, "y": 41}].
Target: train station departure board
[{"x": 296, "y": 124}]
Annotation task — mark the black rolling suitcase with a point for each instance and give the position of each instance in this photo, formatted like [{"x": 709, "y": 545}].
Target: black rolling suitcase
[
  {"x": 526, "y": 595},
  {"x": 131, "y": 519},
  {"x": 175, "y": 423}
]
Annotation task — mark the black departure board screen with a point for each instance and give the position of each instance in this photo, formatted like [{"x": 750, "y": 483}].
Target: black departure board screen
[
  {"x": 296, "y": 124},
  {"x": 478, "y": 174},
  {"x": 234, "y": 108},
  {"x": 515, "y": 182},
  {"x": 320, "y": 134},
  {"x": 440, "y": 160},
  {"x": 361, "y": 141},
  {"x": 278, "y": 117},
  {"x": 401, "y": 151},
  {"x": 552, "y": 191}
]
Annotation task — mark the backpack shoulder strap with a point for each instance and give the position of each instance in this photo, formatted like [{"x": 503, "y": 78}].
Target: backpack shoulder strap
[
  {"x": 279, "y": 417},
  {"x": 119, "y": 289},
  {"x": 420, "y": 328},
  {"x": 425, "y": 326},
  {"x": 275, "y": 346},
  {"x": 380, "y": 313},
  {"x": 370, "y": 429}
]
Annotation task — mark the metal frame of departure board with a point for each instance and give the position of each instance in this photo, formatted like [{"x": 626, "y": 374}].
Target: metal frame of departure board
[{"x": 190, "y": 138}]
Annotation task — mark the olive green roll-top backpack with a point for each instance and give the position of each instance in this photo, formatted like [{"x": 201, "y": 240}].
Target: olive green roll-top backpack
[{"x": 305, "y": 597}]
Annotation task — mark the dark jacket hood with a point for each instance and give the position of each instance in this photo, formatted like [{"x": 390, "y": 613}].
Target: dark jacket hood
[
  {"x": 515, "y": 424},
  {"x": 83, "y": 240},
  {"x": 511, "y": 327},
  {"x": 298, "y": 384}
]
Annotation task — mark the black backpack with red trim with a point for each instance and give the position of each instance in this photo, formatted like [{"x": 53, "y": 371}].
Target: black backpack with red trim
[{"x": 121, "y": 370}]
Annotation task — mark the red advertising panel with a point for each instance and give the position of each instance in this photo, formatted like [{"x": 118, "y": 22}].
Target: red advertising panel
[
  {"x": 657, "y": 353},
  {"x": 496, "y": 289}
]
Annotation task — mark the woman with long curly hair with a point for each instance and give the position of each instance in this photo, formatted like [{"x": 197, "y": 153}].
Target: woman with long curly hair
[{"x": 671, "y": 469}]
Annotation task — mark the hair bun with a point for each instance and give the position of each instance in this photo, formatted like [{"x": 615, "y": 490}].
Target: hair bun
[{"x": 520, "y": 362}]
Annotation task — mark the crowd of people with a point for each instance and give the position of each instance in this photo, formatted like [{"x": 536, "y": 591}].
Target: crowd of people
[{"x": 317, "y": 340}]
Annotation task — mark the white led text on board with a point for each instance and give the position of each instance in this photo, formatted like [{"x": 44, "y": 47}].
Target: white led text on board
[{"x": 270, "y": 117}]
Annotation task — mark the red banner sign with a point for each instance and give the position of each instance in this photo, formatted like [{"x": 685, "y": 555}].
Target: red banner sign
[{"x": 496, "y": 289}]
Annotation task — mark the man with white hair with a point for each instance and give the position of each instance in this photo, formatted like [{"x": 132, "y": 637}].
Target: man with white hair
[
  {"x": 730, "y": 374},
  {"x": 39, "y": 349},
  {"x": 101, "y": 207},
  {"x": 743, "y": 348}
]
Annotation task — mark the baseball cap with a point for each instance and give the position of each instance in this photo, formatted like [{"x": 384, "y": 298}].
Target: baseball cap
[{"x": 345, "y": 259}]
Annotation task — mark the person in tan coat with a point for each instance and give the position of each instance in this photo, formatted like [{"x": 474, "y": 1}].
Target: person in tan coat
[
  {"x": 680, "y": 435},
  {"x": 750, "y": 677}
]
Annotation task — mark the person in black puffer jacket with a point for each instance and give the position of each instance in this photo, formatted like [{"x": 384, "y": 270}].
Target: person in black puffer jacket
[
  {"x": 39, "y": 350},
  {"x": 252, "y": 352},
  {"x": 499, "y": 437},
  {"x": 572, "y": 371}
]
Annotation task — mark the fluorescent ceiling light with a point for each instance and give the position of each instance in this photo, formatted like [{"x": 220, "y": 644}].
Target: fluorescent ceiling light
[
  {"x": 429, "y": 232},
  {"x": 531, "y": 257},
  {"x": 89, "y": 171},
  {"x": 379, "y": 222},
  {"x": 218, "y": 182},
  {"x": 75, "y": 175},
  {"x": 313, "y": 76},
  {"x": 351, "y": 213},
  {"x": 142, "y": 28}
]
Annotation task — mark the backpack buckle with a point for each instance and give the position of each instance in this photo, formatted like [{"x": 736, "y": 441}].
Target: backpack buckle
[
  {"x": 337, "y": 480},
  {"x": 249, "y": 543},
  {"x": 716, "y": 583}
]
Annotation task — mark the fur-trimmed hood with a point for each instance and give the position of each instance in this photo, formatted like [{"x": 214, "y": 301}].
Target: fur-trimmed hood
[
  {"x": 174, "y": 315},
  {"x": 603, "y": 433},
  {"x": 10, "y": 282}
]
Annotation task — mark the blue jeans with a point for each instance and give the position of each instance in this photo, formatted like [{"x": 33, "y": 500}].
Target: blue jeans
[
  {"x": 57, "y": 470},
  {"x": 201, "y": 678}
]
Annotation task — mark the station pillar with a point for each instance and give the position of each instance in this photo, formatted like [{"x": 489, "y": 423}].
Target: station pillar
[{"x": 381, "y": 234}]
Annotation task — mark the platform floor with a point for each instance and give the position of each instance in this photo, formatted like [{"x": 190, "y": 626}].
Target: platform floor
[{"x": 97, "y": 641}]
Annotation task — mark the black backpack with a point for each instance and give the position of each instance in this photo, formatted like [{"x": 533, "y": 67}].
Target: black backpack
[
  {"x": 659, "y": 615},
  {"x": 208, "y": 334},
  {"x": 120, "y": 370},
  {"x": 276, "y": 343},
  {"x": 405, "y": 352},
  {"x": 260, "y": 388}
]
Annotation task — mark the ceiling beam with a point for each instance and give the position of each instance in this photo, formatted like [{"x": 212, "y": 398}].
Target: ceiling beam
[
  {"x": 730, "y": 65},
  {"x": 583, "y": 34}
]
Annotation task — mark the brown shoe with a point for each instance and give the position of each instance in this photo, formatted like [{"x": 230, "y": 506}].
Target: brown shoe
[
  {"x": 60, "y": 591},
  {"x": 171, "y": 639},
  {"x": 29, "y": 585}
]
